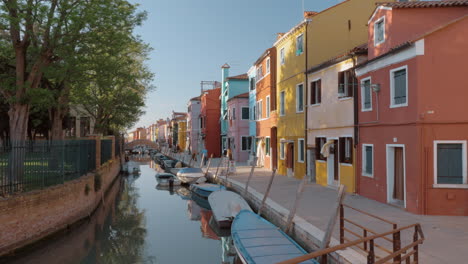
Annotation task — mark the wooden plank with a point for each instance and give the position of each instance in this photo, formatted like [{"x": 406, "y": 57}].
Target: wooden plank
[
  {"x": 209, "y": 164},
  {"x": 267, "y": 192},
  {"x": 334, "y": 216},
  {"x": 202, "y": 159},
  {"x": 292, "y": 213},
  {"x": 219, "y": 164},
  {"x": 250, "y": 175}
]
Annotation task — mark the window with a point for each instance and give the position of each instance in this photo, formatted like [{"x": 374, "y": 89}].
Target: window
[
  {"x": 282, "y": 150},
  {"x": 301, "y": 150},
  {"x": 254, "y": 112},
  {"x": 346, "y": 82},
  {"x": 268, "y": 65},
  {"x": 450, "y": 162},
  {"x": 282, "y": 110},
  {"x": 234, "y": 113},
  {"x": 379, "y": 31},
  {"x": 366, "y": 95},
  {"x": 319, "y": 142},
  {"x": 300, "y": 98},
  {"x": 346, "y": 150},
  {"x": 368, "y": 160},
  {"x": 259, "y": 73},
  {"x": 252, "y": 83},
  {"x": 316, "y": 92},
  {"x": 399, "y": 87},
  {"x": 299, "y": 44},
  {"x": 282, "y": 58},
  {"x": 246, "y": 143},
  {"x": 245, "y": 113},
  {"x": 267, "y": 107},
  {"x": 267, "y": 146}
]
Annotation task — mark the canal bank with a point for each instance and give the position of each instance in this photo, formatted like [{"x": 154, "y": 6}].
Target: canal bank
[{"x": 29, "y": 217}]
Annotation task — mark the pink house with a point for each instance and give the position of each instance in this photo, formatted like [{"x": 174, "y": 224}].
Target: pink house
[{"x": 238, "y": 127}]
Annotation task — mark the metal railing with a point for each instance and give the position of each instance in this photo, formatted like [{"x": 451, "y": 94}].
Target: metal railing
[
  {"x": 106, "y": 150},
  {"x": 31, "y": 165}
]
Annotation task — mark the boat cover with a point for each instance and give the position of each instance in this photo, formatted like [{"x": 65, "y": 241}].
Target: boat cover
[
  {"x": 260, "y": 242},
  {"x": 226, "y": 205}
]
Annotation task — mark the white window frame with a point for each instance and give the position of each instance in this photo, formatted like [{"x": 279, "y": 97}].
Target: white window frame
[
  {"x": 267, "y": 66},
  {"x": 375, "y": 26},
  {"x": 242, "y": 118},
  {"x": 282, "y": 56},
  {"x": 297, "y": 98},
  {"x": 268, "y": 155},
  {"x": 364, "y": 160},
  {"x": 267, "y": 105},
  {"x": 299, "y": 150},
  {"x": 392, "y": 87},
  {"x": 297, "y": 44},
  {"x": 283, "y": 104},
  {"x": 362, "y": 95},
  {"x": 283, "y": 149},
  {"x": 464, "y": 185},
  {"x": 241, "y": 147}
]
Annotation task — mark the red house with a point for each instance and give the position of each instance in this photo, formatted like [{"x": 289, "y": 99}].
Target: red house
[
  {"x": 412, "y": 107},
  {"x": 209, "y": 122}
]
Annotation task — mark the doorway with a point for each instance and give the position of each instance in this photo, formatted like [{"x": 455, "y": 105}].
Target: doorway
[
  {"x": 396, "y": 175},
  {"x": 332, "y": 165},
  {"x": 290, "y": 159}
]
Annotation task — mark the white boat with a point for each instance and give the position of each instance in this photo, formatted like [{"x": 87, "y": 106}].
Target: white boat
[
  {"x": 225, "y": 206},
  {"x": 190, "y": 175},
  {"x": 164, "y": 179}
]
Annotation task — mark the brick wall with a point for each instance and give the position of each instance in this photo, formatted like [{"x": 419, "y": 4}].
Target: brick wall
[{"x": 31, "y": 216}]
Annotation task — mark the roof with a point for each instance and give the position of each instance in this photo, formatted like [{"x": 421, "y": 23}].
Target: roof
[
  {"x": 265, "y": 53},
  {"x": 196, "y": 98},
  {"x": 361, "y": 49},
  {"x": 239, "y": 77},
  {"x": 424, "y": 4},
  {"x": 244, "y": 95},
  {"x": 225, "y": 66}
]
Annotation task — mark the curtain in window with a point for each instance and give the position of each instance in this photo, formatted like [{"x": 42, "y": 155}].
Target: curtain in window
[
  {"x": 449, "y": 164},
  {"x": 399, "y": 78}
]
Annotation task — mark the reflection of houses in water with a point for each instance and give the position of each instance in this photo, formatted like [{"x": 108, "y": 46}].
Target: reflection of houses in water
[
  {"x": 193, "y": 210},
  {"x": 228, "y": 250},
  {"x": 205, "y": 228}
]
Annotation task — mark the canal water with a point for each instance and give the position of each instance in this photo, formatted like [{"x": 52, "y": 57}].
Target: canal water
[{"x": 138, "y": 223}]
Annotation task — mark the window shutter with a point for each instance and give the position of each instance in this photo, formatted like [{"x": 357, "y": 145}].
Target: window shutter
[
  {"x": 317, "y": 148},
  {"x": 340, "y": 83},
  {"x": 351, "y": 149},
  {"x": 400, "y": 87},
  {"x": 319, "y": 91},
  {"x": 351, "y": 83},
  {"x": 342, "y": 149}
]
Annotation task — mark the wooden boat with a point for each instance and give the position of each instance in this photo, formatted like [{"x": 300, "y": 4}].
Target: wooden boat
[
  {"x": 258, "y": 241},
  {"x": 165, "y": 179},
  {"x": 190, "y": 175},
  {"x": 205, "y": 189},
  {"x": 226, "y": 205}
]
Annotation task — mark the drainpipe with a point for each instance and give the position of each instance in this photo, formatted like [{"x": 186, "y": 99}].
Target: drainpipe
[
  {"x": 356, "y": 129},
  {"x": 306, "y": 105}
]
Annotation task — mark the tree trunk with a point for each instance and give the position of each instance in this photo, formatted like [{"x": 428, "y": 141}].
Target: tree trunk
[{"x": 18, "y": 114}]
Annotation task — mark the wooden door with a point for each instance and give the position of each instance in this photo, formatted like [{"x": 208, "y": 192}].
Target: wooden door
[
  {"x": 290, "y": 156},
  {"x": 274, "y": 147},
  {"x": 399, "y": 175}
]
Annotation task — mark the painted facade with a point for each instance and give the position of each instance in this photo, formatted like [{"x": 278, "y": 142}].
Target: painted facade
[
  {"x": 230, "y": 87},
  {"x": 413, "y": 130},
  {"x": 239, "y": 140},
  {"x": 290, "y": 68},
  {"x": 252, "y": 103},
  {"x": 210, "y": 136},
  {"x": 193, "y": 124},
  {"x": 266, "y": 129}
]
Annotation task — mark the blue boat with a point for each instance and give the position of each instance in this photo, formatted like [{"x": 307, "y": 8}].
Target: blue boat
[
  {"x": 205, "y": 189},
  {"x": 258, "y": 241}
]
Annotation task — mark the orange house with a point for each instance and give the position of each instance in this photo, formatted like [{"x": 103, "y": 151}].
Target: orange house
[
  {"x": 267, "y": 150},
  {"x": 412, "y": 108}
]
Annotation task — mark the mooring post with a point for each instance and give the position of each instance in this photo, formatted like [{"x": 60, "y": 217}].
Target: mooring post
[
  {"x": 250, "y": 175},
  {"x": 299, "y": 192},
  {"x": 209, "y": 164},
  {"x": 202, "y": 159},
  {"x": 219, "y": 164},
  {"x": 267, "y": 192}
]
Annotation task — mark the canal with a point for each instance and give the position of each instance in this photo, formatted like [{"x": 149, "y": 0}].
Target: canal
[{"x": 137, "y": 223}]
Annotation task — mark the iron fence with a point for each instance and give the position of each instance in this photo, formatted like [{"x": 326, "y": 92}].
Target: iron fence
[
  {"x": 30, "y": 165},
  {"x": 106, "y": 150}
]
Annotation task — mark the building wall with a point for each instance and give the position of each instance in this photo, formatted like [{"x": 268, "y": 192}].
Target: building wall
[
  {"x": 291, "y": 126},
  {"x": 238, "y": 128},
  {"x": 182, "y": 135},
  {"x": 252, "y": 101},
  {"x": 210, "y": 109},
  {"x": 338, "y": 29},
  {"x": 193, "y": 128}
]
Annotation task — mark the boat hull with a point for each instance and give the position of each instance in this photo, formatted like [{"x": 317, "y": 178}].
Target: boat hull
[{"x": 226, "y": 205}]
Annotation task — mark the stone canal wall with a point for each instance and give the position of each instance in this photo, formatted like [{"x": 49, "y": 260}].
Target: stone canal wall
[{"x": 28, "y": 217}]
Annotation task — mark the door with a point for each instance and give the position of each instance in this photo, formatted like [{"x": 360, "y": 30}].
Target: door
[
  {"x": 399, "y": 175},
  {"x": 290, "y": 159},
  {"x": 332, "y": 165},
  {"x": 274, "y": 148}
]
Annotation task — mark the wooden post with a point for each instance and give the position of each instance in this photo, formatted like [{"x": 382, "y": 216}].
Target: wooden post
[
  {"x": 331, "y": 223},
  {"x": 267, "y": 192},
  {"x": 202, "y": 159},
  {"x": 219, "y": 164},
  {"x": 250, "y": 175},
  {"x": 209, "y": 164},
  {"x": 342, "y": 226},
  {"x": 299, "y": 192}
]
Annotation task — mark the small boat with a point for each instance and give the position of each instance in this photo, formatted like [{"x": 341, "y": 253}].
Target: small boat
[
  {"x": 202, "y": 202},
  {"x": 165, "y": 179},
  {"x": 205, "y": 189},
  {"x": 258, "y": 241},
  {"x": 136, "y": 171},
  {"x": 226, "y": 205},
  {"x": 184, "y": 193},
  {"x": 190, "y": 175}
]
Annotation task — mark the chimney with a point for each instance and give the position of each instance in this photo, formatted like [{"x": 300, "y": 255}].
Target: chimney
[
  {"x": 309, "y": 14},
  {"x": 225, "y": 72},
  {"x": 279, "y": 35}
]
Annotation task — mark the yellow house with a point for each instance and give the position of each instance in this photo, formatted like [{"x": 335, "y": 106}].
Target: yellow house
[
  {"x": 182, "y": 134},
  {"x": 291, "y": 59},
  {"x": 338, "y": 37}
]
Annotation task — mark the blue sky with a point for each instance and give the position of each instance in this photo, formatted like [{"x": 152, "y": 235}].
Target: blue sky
[{"x": 193, "y": 38}]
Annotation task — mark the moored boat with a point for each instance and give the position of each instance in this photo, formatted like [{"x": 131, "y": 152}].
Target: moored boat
[
  {"x": 190, "y": 175},
  {"x": 165, "y": 179},
  {"x": 205, "y": 189},
  {"x": 258, "y": 241},
  {"x": 226, "y": 205}
]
